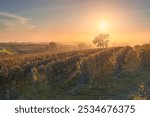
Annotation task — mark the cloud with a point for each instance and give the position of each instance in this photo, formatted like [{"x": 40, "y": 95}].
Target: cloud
[{"x": 10, "y": 21}]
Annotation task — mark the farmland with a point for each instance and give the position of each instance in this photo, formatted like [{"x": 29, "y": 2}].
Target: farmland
[{"x": 108, "y": 73}]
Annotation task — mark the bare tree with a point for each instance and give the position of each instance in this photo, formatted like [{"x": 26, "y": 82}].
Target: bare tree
[{"x": 101, "y": 40}]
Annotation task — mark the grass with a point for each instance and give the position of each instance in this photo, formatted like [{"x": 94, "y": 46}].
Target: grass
[{"x": 5, "y": 51}]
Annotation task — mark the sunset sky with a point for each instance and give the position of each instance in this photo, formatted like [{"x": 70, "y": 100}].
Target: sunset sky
[{"x": 74, "y": 20}]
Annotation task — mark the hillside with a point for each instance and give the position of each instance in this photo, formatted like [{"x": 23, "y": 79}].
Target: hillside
[
  {"x": 110, "y": 73},
  {"x": 4, "y": 51}
]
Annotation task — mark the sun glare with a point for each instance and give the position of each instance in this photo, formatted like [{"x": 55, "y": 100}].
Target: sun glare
[{"x": 103, "y": 26}]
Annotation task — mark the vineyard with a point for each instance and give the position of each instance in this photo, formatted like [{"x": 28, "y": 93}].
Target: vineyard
[{"x": 109, "y": 73}]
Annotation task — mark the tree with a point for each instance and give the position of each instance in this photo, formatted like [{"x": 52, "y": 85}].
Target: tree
[
  {"x": 83, "y": 46},
  {"x": 101, "y": 40},
  {"x": 51, "y": 46}
]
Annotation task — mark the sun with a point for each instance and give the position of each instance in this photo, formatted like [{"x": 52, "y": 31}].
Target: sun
[{"x": 103, "y": 25}]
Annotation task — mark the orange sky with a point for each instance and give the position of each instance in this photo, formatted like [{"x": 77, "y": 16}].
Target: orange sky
[{"x": 63, "y": 21}]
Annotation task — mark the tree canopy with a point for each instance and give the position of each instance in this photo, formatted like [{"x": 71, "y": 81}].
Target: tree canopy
[{"x": 101, "y": 40}]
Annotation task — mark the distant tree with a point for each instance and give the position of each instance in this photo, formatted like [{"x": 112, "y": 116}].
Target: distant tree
[
  {"x": 51, "y": 46},
  {"x": 137, "y": 47},
  {"x": 82, "y": 46},
  {"x": 101, "y": 40}
]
